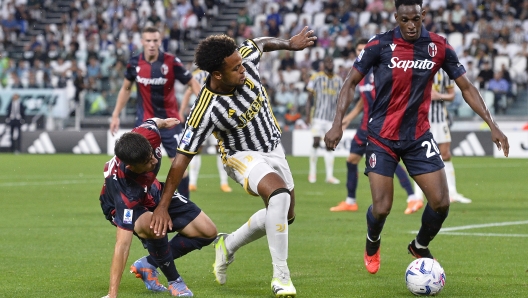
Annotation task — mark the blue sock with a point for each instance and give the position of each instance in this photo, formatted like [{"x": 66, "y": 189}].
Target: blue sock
[
  {"x": 160, "y": 251},
  {"x": 352, "y": 179},
  {"x": 431, "y": 224},
  {"x": 405, "y": 182},
  {"x": 183, "y": 188},
  {"x": 181, "y": 245},
  {"x": 374, "y": 225}
]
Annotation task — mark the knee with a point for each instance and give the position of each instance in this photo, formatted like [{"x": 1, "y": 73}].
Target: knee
[
  {"x": 446, "y": 156},
  {"x": 442, "y": 206},
  {"x": 381, "y": 211}
]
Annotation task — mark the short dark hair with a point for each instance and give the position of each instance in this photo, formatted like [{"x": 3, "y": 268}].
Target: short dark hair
[
  {"x": 361, "y": 41},
  {"x": 150, "y": 29},
  {"x": 398, "y": 3},
  {"x": 133, "y": 148},
  {"x": 211, "y": 52}
]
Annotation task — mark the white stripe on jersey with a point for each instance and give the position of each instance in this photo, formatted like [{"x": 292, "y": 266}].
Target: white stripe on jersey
[
  {"x": 326, "y": 92},
  {"x": 438, "y": 111},
  {"x": 241, "y": 121}
]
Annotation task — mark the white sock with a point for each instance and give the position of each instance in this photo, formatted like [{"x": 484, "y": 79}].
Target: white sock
[
  {"x": 252, "y": 230},
  {"x": 418, "y": 193},
  {"x": 194, "y": 169},
  {"x": 350, "y": 201},
  {"x": 450, "y": 175},
  {"x": 277, "y": 230},
  {"x": 329, "y": 164},
  {"x": 313, "y": 162},
  {"x": 418, "y": 245},
  {"x": 221, "y": 171}
]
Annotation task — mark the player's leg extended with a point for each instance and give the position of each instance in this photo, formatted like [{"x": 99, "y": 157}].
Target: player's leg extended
[
  {"x": 435, "y": 189},
  {"x": 312, "y": 174},
  {"x": 450, "y": 174},
  {"x": 352, "y": 181}
]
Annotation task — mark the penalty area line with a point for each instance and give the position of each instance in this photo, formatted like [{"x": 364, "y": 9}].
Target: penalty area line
[{"x": 450, "y": 230}]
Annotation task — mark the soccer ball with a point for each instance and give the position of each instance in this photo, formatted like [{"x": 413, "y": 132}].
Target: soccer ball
[{"x": 425, "y": 277}]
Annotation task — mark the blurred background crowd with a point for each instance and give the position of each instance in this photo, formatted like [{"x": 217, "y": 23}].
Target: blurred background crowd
[{"x": 83, "y": 45}]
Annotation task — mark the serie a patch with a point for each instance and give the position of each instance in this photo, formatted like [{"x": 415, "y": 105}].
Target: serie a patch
[{"x": 127, "y": 216}]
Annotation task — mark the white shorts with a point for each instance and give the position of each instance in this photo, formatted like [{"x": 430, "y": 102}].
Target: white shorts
[
  {"x": 441, "y": 132},
  {"x": 239, "y": 166},
  {"x": 320, "y": 127}
]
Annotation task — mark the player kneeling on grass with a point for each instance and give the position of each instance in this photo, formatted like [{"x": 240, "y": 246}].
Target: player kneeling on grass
[{"x": 131, "y": 193}]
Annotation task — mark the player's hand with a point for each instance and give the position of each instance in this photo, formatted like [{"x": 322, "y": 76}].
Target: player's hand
[
  {"x": 302, "y": 40},
  {"x": 114, "y": 125},
  {"x": 168, "y": 123},
  {"x": 333, "y": 136},
  {"x": 501, "y": 140},
  {"x": 160, "y": 222},
  {"x": 435, "y": 95}
]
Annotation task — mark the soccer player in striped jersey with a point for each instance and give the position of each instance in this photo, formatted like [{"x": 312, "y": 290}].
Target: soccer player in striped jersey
[
  {"x": 367, "y": 93},
  {"x": 196, "y": 163},
  {"x": 443, "y": 90},
  {"x": 404, "y": 61},
  {"x": 129, "y": 195},
  {"x": 155, "y": 74},
  {"x": 323, "y": 89},
  {"x": 234, "y": 107}
]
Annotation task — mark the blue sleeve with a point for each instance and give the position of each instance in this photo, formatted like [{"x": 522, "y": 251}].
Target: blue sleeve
[
  {"x": 181, "y": 73},
  {"x": 451, "y": 65},
  {"x": 369, "y": 56}
]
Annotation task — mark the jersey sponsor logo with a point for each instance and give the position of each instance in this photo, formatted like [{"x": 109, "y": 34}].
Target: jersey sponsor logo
[
  {"x": 187, "y": 137},
  {"x": 250, "y": 113},
  {"x": 372, "y": 160},
  {"x": 393, "y": 46},
  {"x": 164, "y": 69},
  {"x": 127, "y": 216},
  {"x": 432, "y": 49},
  {"x": 152, "y": 81},
  {"x": 406, "y": 64}
]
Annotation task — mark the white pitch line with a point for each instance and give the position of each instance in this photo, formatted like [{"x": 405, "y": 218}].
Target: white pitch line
[
  {"x": 448, "y": 231},
  {"x": 483, "y": 234}
]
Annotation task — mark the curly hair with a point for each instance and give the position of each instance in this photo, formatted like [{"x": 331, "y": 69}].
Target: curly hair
[
  {"x": 133, "y": 148},
  {"x": 212, "y": 51},
  {"x": 398, "y": 3}
]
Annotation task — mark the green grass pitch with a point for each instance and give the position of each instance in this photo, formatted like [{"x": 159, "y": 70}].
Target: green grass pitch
[{"x": 54, "y": 241}]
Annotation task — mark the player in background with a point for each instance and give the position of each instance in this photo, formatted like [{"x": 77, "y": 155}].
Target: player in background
[
  {"x": 323, "y": 88},
  {"x": 234, "y": 107},
  {"x": 155, "y": 74},
  {"x": 443, "y": 90},
  {"x": 129, "y": 195},
  {"x": 367, "y": 93},
  {"x": 405, "y": 60},
  {"x": 196, "y": 163}
]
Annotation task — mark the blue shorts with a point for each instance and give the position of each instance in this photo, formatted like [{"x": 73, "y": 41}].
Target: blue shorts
[
  {"x": 358, "y": 145},
  {"x": 419, "y": 156},
  {"x": 170, "y": 138}
]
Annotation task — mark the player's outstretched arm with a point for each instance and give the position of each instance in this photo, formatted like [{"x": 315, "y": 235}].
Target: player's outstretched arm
[
  {"x": 346, "y": 95},
  {"x": 121, "y": 251},
  {"x": 474, "y": 100},
  {"x": 166, "y": 123},
  {"x": 298, "y": 42},
  {"x": 122, "y": 99},
  {"x": 161, "y": 221}
]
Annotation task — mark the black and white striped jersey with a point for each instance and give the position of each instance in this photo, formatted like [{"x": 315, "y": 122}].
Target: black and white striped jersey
[
  {"x": 325, "y": 90},
  {"x": 438, "y": 111},
  {"x": 240, "y": 121},
  {"x": 200, "y": 76}
]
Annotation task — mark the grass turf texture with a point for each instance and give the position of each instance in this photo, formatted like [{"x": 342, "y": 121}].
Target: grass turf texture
[{"x": 54, "y": 241}]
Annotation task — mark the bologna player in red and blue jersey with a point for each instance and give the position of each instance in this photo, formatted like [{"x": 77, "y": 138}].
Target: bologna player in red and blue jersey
[
  {"x": 367, "y": 94},
  {"x": 129, "y": 196},
  {"x": 404, "y": 61},
  {"x": 155, "y": 73}
]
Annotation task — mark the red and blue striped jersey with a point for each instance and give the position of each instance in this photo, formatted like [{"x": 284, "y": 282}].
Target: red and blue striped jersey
[
  {"x": 367, "y": 93},
  {"x": 403, "y": 76},
  {"x": 155, "y": 84},
  {"x": 125, "y": 191}
]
